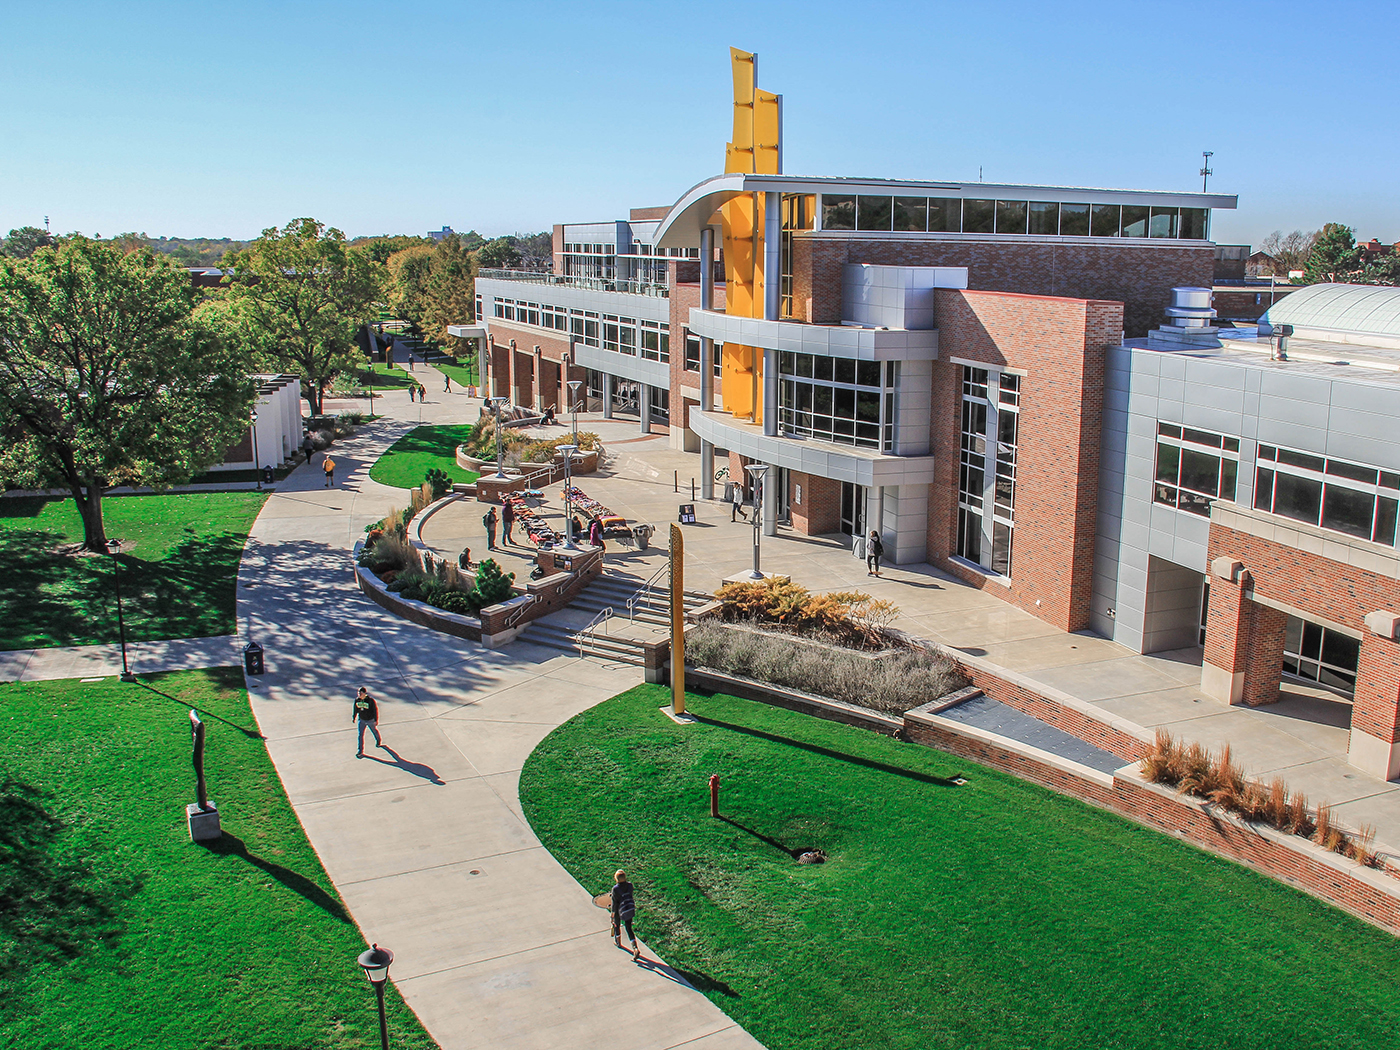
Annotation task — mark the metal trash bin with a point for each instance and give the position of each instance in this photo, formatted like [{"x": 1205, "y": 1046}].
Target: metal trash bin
[
  {"x": 858, "y": 547},
  {"x": 643, "y": 535},
  {"x": 252, "y": 658},
  {"x": 268, "y": 476}
]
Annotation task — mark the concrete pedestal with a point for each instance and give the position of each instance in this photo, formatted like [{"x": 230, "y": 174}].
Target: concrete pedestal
[
  {"x": 204, "y": 823},
  {"x": 747, "y": 577}
]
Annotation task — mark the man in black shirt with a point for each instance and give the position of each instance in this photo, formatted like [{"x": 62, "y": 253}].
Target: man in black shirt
[{"x": 366, "y": 714}]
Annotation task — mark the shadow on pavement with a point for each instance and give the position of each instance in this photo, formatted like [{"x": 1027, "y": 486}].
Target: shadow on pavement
[{"x": 418, "y": 769}]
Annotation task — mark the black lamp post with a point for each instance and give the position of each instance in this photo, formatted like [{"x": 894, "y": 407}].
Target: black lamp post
[
  {"x": 112, "y": 547},
  {"x": 253, "y": 426},
  {"x": 375, "y": 963}
]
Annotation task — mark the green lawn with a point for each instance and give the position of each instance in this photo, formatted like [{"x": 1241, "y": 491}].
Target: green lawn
[
  {"x": 117, "y": 931},
  {"x": 387, "y": 377},
  {"x": 462, "y": 374},
  {"x": 993, "y": 914},
  {"x": 405, "y": 462},
  {"x": 179, "y": 566}
]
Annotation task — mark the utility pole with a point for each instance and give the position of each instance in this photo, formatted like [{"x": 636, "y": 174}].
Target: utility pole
[{"x": 1206, "y": 173}]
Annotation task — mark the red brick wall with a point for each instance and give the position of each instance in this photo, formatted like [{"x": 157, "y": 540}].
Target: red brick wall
[
  {"x": 1139, "y": 275},
  {"x": 558, "y": 248},
  {"x": 1376, "y": 709},
  {"x": 1062, "y": 345},
  {"x": 1244, "y": 636},
  {"x": 820, "y": 510}
]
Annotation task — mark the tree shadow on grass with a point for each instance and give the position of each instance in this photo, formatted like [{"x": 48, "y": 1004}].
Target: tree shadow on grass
[
  {"x": 252, "y": 734},
  {"x": 881, "y": 767},
  {"x": 232, "y": 846},
  {"x": 55, "y": 904},
  {"x": 46, "y": 594}
]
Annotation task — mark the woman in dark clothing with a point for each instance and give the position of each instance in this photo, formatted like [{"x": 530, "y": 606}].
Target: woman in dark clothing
[
  {"x": 874, "y": 551},
  {"x": 624, "y": 910}
]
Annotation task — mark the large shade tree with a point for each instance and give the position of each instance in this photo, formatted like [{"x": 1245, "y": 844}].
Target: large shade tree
[
  {"x": 297, "y": 295},
  {"x": 433, "y": 287},
  {"x": 111, "y": 375}
]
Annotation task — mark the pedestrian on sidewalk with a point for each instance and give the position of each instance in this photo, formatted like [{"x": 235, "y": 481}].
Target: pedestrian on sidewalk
[
  {"x": 489, "y": 520},
  {"x": 422, "y": 393},
  {"x": 624, "y": 910},
  {"x": 412, "y": 392},
  {"x": 507, "y": 520},
  {"x": 447, "y": 383},
  {"x": 328, "y": 465},
  {"x": 365, "y": 714},
  {"x": 307, "y": 446},
  {"x": 738, "y": 505},
  {"x": 595, "y": 535},
  {"x": 874, "y": 551}
]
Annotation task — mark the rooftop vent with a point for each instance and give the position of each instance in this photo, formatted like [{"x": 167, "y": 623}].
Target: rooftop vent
[{"x": 1188, "y": 321}]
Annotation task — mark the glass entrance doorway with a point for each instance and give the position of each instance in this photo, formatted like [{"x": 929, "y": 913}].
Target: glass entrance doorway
[{"x": 852, "y": 509}]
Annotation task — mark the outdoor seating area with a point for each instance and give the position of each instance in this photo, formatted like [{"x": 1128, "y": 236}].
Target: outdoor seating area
[{"x": 613, "y": 524}]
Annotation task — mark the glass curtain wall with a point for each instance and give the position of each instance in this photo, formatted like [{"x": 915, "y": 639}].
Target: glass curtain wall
[
  {"x": 990, "y": 441},
  {"x": 837, "y": 399}
]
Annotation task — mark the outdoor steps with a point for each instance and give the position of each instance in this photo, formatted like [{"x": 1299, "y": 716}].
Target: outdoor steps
[{"x": 603, "y": 646}]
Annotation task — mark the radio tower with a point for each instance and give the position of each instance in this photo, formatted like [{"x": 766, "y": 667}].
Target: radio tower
[{"x": 1205, "y": 168}]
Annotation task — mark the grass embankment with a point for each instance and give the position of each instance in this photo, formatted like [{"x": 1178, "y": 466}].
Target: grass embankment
[
  {"x": 424, "y": 447},
  {"x": 386, "y": 377},
  {"x": 179, "y": 568},
  {"x": 992, "y": 914},
  {"x": 463, "y": 374},
  {"x": 117, "y": 931}
]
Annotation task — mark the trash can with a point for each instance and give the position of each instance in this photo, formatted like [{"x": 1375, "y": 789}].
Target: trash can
[
  {"x": 858, "y": 547},
  {"x": 253, "y": 658},
  {"x": 643, "y": 535},
  {"x": 267, "y": 475}
]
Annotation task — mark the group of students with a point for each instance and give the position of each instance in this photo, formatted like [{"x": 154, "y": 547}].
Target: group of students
[{"x": 506, "y": 519}]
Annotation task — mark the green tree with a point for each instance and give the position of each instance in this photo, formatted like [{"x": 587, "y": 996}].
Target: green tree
[
  {"x": 433, "y": 287},
  {"x": 110, "y": 376},
  {"x": 500, "y": 254},
  {"x": 25, "y": 241},
  {"x": 298, "y": 294},
  {"x": 1385, "y": 270},
  {"x": 1334, "y": 255}
]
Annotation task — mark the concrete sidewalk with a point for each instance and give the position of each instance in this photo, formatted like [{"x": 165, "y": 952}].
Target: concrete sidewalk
[
  {"x": 495, "y": 944},
  {"x": 101, "y": 661}
]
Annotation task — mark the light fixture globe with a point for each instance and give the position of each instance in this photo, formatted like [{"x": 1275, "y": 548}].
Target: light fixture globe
[{"x": 375, "y": 962}]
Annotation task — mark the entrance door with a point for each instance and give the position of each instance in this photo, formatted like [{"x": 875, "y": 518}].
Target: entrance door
[
  {"x": 852, "y": 509},
  {"x": 784, "y": 504}
]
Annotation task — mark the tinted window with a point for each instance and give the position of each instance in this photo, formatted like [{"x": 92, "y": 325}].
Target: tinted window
[
  {"x": 910, "y": 214},
  {"x": 1193, "y": 223},
  {"x": 1074, "y": 220},
  {"x": 1168, "y": 457},
  {"x": 1135, "y": 220},
  {"x": 1045, "y": 218},
  {"x": 1385, "y": 521},
  {"x": 1349, "y": 511},
  {"x": 1105, "y": 220},
  {"x": 1163, "y": 222},
  {"x": 1011, "y": 216},
  {"x": 873, "y": 213},
  {"x": 945, "y": 215},
  {"x": 978, "y": 216},
  {"x": 1296, "y": 497},
  {"x": 838, "y": 212},
  {"x": 1200, "y": 471}
]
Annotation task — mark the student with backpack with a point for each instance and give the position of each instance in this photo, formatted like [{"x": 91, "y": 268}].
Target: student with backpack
[
  {"x": 624, "y": 910},
  {"x": 489, "y": 520},
  {"x": 328, "y": 465}
]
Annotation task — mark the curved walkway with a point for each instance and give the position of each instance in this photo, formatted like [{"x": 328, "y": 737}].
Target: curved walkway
[{"x": 495, "y": 944}]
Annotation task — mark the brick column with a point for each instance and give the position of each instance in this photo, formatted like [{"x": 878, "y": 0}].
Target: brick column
[
  {"x": 1375, "y": 717},
  {"x": 1244, "y": 640}
]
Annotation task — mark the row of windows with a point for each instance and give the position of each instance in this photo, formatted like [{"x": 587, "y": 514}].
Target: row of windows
[
  {"x": 1194, "y": 468},
  {"x": 993, "y": 398},
  {"x": 837, "y": 399},
  {"x": 692, "y": 355},
  {"x": 624, "y": 335},
  {"x": 1333, "y": 494},
  {"x": 1042, "y": 218}
]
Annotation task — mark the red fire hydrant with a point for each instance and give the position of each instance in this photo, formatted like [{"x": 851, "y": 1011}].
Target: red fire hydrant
[{"x": 714, "y": 794}]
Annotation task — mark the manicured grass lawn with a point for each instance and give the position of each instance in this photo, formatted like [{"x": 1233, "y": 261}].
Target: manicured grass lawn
[
  {"x": 179, "y": 567},
  {"x": 463, "y": 374},
  {"x": 388, "y": 377},
  {"x": 410, "y": 457},
  {"x": 992, "y": 914},
  {"x": 117, "y": 931}
]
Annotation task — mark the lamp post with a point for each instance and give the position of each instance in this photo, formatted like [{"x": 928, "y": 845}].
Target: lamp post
[
  {"x": 574, "y": 384},
  {"x": 112, "y": 547},
  {"x": 375, "y": 963},
  {"x": 567, "y": 451},
  {"x": 757, "y": 471},
  {"x": 495, "y": 404},
  {"x": 253, "y": 426}
]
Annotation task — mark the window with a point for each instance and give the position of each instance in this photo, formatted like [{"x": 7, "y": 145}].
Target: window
[
  {"x": 498, "y": 308},
  {"x": 1044, "y": 218},
  {"x": 1105, "y": 220},
  {"x": 590, "y": 328},
  {"x": 692, "y": 353},
  {"x": 873, "y": 213},
  {"x": 1163, "y": 222},
  {"x": 1334, "y": 494},
  {"x": 656, "y": 342},
  {"x": 978, "y": 216},
  {"x": 479, "y": 314},
  {"x": 1135, "y": 220},
  {"x": 1011, "y": 216},
  {"x": 1074, "y": 220},
  {"x": 838, "y": 212},
  {"x": 1320, "y": 654},
  {"x": 991, "y": 407},
  {"x": 945, "y": 215},
  {"x": 910, "y": 214},
  {"x": 837, "y": 399},
  {"x": 1194, "y": 468},
  {"x": 1194, "y": 224}
]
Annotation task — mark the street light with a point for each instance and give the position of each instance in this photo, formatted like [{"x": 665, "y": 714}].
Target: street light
[
  {"x": 756, "y": 473},
  {"x": 375, "y": 963},
  {"x": 112, "y": 547},
  {"x": 574, "y": 384},
  {"x": 495, "y": 403},
  {"x": 257, "y": 470},
  {"x": 567, "y": 451}
]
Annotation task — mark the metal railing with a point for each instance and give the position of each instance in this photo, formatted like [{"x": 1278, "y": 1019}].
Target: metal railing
[
  {"x": 590, "y": 631},
  {"x": 597, "y": 284},
  {"x": 643, "y": 593},
  {"x": 514, "y": 618}
]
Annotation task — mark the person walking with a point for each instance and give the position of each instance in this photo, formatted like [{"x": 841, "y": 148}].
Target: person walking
[
  {"x": 328, "y": 466},
  {"x": 489, "y": 519},
  {"x": 874, "y": 551},
  {"x": 624, "y": 910},
  {"x": 412, "y": 392},
  {"x": 422, "y": 393},
  {"x": 737, "y": 507},
  {"x": 446, "y": 383},
  {"x": 595, "y": 533},
  {"x": 507, "y": 521},
  {"x": 365, "y": 714},
  {"x": 307, "y": 446}
]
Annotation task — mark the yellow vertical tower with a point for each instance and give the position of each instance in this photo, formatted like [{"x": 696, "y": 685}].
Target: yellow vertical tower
[{"x": 755, "y": 148}]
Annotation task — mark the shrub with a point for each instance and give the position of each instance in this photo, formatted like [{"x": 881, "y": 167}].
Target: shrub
[
  {"x": 321, "y": 439},
  {"x": 492, "y": 585},
  {"x": 439, "y": 481},
  {"x": 346, "y": 420},
  {"x": 453, "y": 602},
  {"x": 891, "y": 684},
  {"x": 392, "y": 552},
  {"x": 415, "y": 586},
  {"x": 849, "y": 617}
]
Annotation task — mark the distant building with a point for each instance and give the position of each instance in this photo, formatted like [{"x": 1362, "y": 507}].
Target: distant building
[
  {"x": 1260, "y": 264},
  {"x": 1372, "y": 250},
  {"x": 442, "y": 234},
  {"x": 1230, "y": 262}
]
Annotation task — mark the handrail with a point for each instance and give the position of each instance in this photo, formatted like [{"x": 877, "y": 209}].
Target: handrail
[
  {"x": 515, "y": 616},
  {"x": 590, "y": 630},
  {"x": 641, "y": 592}
]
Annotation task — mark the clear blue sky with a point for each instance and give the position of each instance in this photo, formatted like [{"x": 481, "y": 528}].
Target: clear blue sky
[{"x": 190, "y": 119}]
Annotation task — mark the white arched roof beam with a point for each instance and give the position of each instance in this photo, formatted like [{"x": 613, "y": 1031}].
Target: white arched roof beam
[{"x": 692, "y": 213}]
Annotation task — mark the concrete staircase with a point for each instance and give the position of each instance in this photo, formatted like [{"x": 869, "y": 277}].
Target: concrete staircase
[{"x": 617, "y": 638}]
